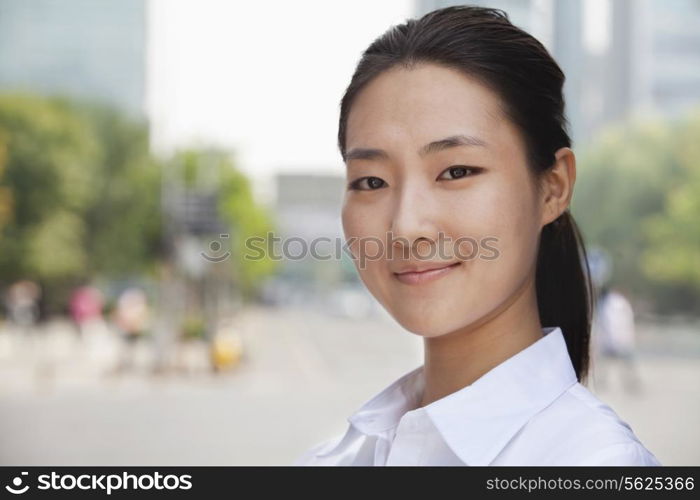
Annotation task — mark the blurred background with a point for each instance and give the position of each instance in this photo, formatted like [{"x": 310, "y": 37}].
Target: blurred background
[{"x": 142, "y": 142}]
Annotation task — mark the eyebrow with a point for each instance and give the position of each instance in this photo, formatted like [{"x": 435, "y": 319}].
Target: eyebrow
[{"x": 432, "y": 147}]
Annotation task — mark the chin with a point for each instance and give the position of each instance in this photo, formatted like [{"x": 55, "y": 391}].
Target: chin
[
  {"x": 440, "y": 319},
  {"x": 425, "y": 325}
]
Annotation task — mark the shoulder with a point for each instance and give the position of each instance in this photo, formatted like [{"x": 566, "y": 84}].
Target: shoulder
[
  {"x": 580, "y": 429},
  {"x": 308, "y": 457},
  {"x": 630, "y": 453}
]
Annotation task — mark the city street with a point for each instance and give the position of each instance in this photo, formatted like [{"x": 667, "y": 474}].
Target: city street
[{"x": 302, "y": 373}]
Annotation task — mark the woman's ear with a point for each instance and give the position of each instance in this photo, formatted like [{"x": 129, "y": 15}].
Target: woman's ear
[{"x": 558, "y": 185}]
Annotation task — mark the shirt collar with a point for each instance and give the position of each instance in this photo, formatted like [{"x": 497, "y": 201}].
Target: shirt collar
[{"x": 478, "y": 420}]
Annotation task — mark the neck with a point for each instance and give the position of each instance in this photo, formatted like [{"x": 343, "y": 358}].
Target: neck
[{"x": 457, "y": 359}]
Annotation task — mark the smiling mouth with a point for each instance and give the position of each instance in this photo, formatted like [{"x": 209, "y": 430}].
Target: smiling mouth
[{"x": 419, "y": 277}]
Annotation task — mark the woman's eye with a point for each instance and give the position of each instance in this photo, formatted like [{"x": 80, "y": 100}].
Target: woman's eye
[
  {"x": 373, "y": 183},
  {"x": 460, "y": 171}
]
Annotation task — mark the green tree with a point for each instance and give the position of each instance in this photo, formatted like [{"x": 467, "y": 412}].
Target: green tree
[
  {"x": 5, "y": 193},
  {"x": 214, "y": 169},
  {"x": 626, "y": 182},
  {"x": 79, "y": 193},
  {"x": 50, "y": 171},
  {"x": 250, "y": 222},
  {"x": 673, "y": 254},
  {"x": 124, "y": 221}
]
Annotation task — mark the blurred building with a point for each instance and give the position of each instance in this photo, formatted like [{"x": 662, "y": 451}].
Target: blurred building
[
  {"x": 671, "y": 80},
  {"x": 317, "y": 270},
  {"x": 308, "y": 210},
  {"x": 91, "y": 49},
  {"x": 621, "y": 57}
]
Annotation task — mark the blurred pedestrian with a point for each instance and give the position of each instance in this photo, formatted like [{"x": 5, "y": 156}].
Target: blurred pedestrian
[
  {"x": 22, "y": 304},
  {"x": 615, "y": 340},
  {"x": 85, "y": 306},
  {"x": 131, "y": 316}
]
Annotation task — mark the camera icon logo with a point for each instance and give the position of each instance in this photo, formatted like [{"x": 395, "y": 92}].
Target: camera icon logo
[
  {"x": 17, "y": 483},
  {"x": 216, "y": 247}
]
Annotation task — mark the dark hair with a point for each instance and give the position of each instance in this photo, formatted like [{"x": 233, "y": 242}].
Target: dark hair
[{"x": 482, "y": 43}]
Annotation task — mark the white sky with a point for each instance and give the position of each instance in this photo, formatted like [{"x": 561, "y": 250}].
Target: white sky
[
  {"x": 596, "y": 25},
  {"x": 264, "y": 78}
]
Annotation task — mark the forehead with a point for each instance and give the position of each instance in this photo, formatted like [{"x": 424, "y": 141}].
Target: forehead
[{"x": 423, "y": 103}]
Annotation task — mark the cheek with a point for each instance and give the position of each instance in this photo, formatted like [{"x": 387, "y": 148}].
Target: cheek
[
  {"x": 518, "y": 224},
  {"x": 507, "y": 212},
  {"x": 497, "y": 208},
  {"x": 362, "y": 227},
  {"x": 501, "y": 210},
  {"x": 365, "y": 233}
]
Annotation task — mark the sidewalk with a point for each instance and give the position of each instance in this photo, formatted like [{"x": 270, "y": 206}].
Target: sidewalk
[{"x": 302, "y": 373}]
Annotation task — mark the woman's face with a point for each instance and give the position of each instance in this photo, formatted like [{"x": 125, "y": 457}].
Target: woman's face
[{"x": 426, "y": 199}]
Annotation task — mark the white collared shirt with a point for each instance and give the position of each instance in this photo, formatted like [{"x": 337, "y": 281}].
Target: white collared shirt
[{"x": 528, "y": 410}]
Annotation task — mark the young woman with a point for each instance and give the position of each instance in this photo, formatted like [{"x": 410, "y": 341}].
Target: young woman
[{"x": 460, "y": 174}]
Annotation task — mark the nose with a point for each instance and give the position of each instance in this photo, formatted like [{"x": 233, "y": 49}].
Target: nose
[{"x": 414, "y": 228}]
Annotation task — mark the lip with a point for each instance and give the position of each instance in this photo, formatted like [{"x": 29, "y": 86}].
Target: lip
[{"x": 418, "y": 277}]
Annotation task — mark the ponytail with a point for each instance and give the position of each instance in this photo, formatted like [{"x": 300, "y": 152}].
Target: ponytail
[{"x": 564, "y": 291}]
